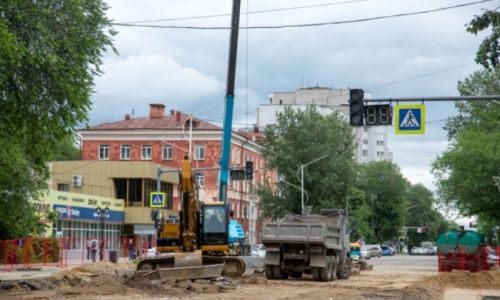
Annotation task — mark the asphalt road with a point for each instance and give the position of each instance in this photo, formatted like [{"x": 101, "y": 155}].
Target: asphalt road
[{"x": 395, "y": 262}]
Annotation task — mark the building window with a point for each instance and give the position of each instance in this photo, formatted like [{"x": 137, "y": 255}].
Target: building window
[
  {"x": 200, "y": 180},
  {"x": 380, "y": 143},
  {"x": 103, "y": 152},
  {"x": 146, "y": 152},
  {"x": 380, "y": 153},
  {"x": 125, "y": 152},
  {"x": 168, "y": 152},
  {"x": 365, "y": 152},
  {"x": 365, "y": 141},
  {"x": 199, "y": 152},
  {"x": 63, "y": 187}
]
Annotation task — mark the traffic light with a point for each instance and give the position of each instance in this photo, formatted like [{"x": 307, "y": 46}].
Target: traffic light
[
  {"x": 356, "y": 107},
  {"x": 249, "y": 170}
]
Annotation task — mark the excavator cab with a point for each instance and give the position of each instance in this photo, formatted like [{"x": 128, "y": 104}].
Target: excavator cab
[{"x": 214, "y": 233}]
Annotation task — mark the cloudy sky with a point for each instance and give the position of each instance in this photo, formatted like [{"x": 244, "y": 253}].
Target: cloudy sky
[{"x": 412, "y": 56}]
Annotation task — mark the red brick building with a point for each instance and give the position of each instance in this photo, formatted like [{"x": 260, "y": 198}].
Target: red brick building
[{"x": 164, "y": 139}]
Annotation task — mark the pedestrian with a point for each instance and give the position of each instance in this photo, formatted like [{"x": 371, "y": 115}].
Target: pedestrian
[
  {"x": 131, "y": 250},
  {"x": 93, "y": 248},
  {"x": 88, "y": 249}
]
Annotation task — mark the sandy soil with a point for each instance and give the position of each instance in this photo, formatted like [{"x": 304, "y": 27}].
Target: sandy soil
[{"x": 118, "y": 281}]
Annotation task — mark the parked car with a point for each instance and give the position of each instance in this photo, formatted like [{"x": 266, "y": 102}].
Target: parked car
[
  {"x": 418, "y": 251},
  {"x": 387, "y": 250},
  {"x": 365, "y": 252},
  {"x": 375, "y": 250},
  {"x": 258, "y": 250},
  {"x": 430, "y": 250}
]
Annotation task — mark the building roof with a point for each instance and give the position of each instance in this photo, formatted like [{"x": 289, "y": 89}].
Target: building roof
[{"x": 173, "y": 121}]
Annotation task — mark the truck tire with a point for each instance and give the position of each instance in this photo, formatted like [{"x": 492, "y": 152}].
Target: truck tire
[
  {"x": 326, "y": 273},
  {"x": 295, "y": 274},
  {"x": 344, "y": 267},
  {"x": 269, "y": 271},
  {"x": 274, "y": 272}
]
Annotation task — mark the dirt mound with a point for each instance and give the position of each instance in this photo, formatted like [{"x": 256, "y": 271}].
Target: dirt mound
[
  {"x": 433, "y": 287},
  {"x": 105, "y": 278}
]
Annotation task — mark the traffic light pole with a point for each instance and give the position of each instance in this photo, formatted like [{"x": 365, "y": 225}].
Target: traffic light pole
[{"x": 435, "y": 99}]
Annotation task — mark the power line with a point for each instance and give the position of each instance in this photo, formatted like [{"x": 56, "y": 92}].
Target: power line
[
  {"x": 246, "y": 13},
  {"x": 303, "y": 25},
  {"x": 418, "y": 76}
]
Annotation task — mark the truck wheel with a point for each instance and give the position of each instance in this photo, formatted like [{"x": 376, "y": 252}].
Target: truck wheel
[
  {"x": 269, "y": 271},
  {"x": 325, "y": 273},
  {"x": 344, "y": 268},
  {"x": 295, "y": 274},
  {"x": 277, "y": 274}
]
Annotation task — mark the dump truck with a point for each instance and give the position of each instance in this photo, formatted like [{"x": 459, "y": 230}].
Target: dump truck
[{"x": 316, "y": 243}]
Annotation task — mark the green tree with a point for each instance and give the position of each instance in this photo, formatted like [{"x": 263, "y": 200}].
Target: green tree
[
  {"x": 360, "y": 213},
  {"x": 50, "y": 51},
  {"x": 421, "y": 212},
  {"x": 298, "y": 138},
  {"x": 384, "y": 187},
  {"x": 465, "y": 171},
  {"x": 65, "y": 150},
  {"x": 489, "y": 50}
]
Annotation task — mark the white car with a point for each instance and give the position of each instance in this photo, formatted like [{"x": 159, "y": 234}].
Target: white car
[
  {"x": 365, "y": 252},
  {"x": 258, "y": 250},
  {"x": 418, "y": 251},
  {"x": 151, "y": 252}
]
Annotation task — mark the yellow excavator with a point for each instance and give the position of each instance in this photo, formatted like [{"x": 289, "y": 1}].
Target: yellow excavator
[{"x": 199, "y": 243}]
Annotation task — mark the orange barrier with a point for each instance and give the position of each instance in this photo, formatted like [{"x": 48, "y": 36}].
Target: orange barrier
[{"x": 32, "y": 252}]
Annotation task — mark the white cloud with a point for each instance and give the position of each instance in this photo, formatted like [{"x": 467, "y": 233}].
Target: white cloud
[
  {"x": 186, "y": 69},
  {"x": 135, "y": 81}
]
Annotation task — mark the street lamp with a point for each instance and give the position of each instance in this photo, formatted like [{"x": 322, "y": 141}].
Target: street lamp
[
  {"x": 102, "y": 214},
  {"x": 302, "y": 178}
]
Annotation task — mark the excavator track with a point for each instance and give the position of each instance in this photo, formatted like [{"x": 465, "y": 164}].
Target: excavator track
[{"x": 211, "y": 267}]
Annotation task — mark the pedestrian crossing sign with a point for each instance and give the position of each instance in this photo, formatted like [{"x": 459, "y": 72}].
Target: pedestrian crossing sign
[
  {"x": 157, "y": 199},
  {"x": 410, "y": 119}
]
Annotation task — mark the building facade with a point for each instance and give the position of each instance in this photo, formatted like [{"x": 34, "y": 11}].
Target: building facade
[
  {"x": 106, "y": 184},
  {"x": 165, "y": 139},
  {"x": 371, "y": 142}
]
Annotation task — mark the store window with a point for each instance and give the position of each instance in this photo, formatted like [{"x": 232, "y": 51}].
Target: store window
[{"x": 103, "y": 152}]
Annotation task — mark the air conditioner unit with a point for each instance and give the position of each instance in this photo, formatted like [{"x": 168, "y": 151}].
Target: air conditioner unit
[{"x": 77, "y": 180}]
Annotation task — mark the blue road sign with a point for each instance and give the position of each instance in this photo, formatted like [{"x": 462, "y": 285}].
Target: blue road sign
[
  {"x": 157, "y": 199},
  {"x": 410, "y": 119}
]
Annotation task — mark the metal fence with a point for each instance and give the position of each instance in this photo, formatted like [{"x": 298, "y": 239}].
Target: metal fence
[{"x": 30, "y": 252}]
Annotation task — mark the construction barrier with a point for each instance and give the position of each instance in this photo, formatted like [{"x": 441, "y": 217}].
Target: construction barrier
[{"x": 32, "y": 252}]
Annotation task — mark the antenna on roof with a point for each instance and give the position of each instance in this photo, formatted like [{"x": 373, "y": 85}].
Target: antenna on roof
[{"x": 133, "y": 113}]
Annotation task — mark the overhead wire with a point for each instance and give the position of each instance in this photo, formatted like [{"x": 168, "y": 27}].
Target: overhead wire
[
  {"x": 306, "y": 24},
  {"x": 248, "y": 12}
]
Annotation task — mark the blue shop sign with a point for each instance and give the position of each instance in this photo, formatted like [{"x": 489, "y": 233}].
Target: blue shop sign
[{"x": 85, "y": 213}]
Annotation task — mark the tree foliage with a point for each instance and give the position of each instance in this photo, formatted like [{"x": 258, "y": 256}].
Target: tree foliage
[
  {"x": 465, "y": 171},
  {"x": 421, "y": 212},
  {"x": 489, "y": 51},
  {"x": 385, "y": 188},
  {"x": 298, "y": 138},
  {"x": 49, "y": 54}
]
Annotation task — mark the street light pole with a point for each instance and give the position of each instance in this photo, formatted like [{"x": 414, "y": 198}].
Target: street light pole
[
  {"x": 102, "y": 213},
  {"x": 302, "y": 178}
]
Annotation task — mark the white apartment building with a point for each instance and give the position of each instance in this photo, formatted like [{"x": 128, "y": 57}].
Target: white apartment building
[{"x": 371, "y": 141}]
